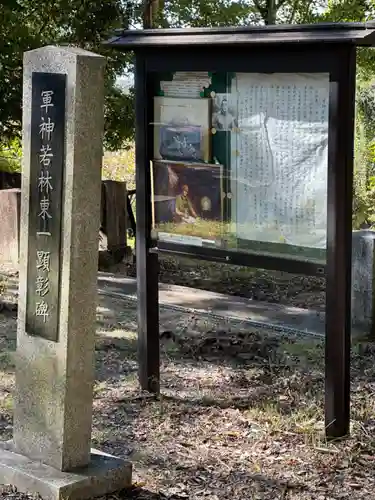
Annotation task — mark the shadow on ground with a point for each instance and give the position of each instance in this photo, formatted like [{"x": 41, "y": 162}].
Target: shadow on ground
[
  {"x": 240, "y": 413},
  {"x": 258, "y": 284}
]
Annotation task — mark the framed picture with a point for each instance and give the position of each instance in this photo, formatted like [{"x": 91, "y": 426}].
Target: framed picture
[
  {"x": 187, "y": 201},
  {"x": 182, "y": 129}
]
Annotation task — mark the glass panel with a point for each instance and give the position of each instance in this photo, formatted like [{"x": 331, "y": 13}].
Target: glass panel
[
  {"x": 240, "y": 161},
  {"x": 188, "y": 179},
  {"x": 279, "y": 163}
]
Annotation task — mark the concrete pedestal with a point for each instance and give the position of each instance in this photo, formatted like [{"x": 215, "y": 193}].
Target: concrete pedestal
[{"x": 104, "y": 474}]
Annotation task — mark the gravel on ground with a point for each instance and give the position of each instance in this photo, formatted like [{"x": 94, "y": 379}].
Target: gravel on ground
[{"x": 240, "y": 414}]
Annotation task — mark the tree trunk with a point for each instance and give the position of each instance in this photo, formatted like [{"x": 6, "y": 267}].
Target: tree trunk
[
  {"x": 271, "y": 12},
  {"x": 151, "y": 8}
]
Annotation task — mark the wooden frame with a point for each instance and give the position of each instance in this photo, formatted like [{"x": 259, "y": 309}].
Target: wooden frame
[
  {"x": 318, "y": 48},
  {"x": 191, "y": 233}
]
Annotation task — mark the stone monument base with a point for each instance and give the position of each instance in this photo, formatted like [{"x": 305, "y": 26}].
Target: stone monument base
[{"x": 105, "y": 474}]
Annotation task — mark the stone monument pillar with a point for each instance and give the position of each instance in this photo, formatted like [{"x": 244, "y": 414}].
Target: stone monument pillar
[{"x": 60, "y": 216}]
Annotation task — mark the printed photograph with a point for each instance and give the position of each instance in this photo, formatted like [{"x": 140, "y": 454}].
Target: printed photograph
[
  {"x": 182, "y": 129},
  {"x": 181, "y": 143},
  {"x": 187, "y": 199},
  {"x": 224, "y": 116}
]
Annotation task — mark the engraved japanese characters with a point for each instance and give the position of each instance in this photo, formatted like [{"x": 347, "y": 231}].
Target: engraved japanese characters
[
  {"x": 45, "y": 211},
  {"x": 46, "y": 128}
]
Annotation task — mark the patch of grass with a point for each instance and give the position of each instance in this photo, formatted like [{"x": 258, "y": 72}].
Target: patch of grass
[
  {"x": 7, "y": 403},
  {"x": 201, "y": 228},
  {"x": 7, "y": 361},
  {"x": 308, "y": 352},
  {"x": 306, "y": 422},
  {"x": 233, "y": 431},
  {"x": 2, "y": 285},
  {"x": 241, "y": 412}
]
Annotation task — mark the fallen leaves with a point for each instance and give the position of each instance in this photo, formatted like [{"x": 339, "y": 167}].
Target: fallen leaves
[{"x": 240, "y": 415}]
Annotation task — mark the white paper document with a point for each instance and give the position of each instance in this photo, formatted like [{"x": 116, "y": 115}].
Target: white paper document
[{"x": 279, "y": 155}]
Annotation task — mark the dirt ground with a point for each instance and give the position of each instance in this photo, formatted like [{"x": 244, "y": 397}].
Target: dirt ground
[
  {"x": 240, "y": 415},
  {"x": 256, "y": 284}
]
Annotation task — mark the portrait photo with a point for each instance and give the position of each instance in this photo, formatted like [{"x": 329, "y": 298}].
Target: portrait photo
[{"x": 224, "y": 116}]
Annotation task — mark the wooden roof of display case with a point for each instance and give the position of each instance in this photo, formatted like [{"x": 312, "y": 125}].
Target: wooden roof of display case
[{"x": 359, "y": 34}]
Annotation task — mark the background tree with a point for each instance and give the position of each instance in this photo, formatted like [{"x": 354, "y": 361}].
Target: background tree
[{"x": 26, "y": 25}]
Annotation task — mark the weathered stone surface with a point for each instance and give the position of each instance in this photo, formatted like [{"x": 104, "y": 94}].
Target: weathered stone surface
[
  {"x": 10, "y": 202},
  {"x": 112, "y": 249},
  {"x": 50, "y": 451},
  {"x": 363, "y": 261},
  {"x": 54, "y": 380},
  {"x": 104, "y": 474}
]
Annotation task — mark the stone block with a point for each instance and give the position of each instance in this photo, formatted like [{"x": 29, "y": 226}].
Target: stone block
[
  {"x": 54, "y": 380},
  {"x": 113, "y": 219},
  {"x": 363, "y": 261},
  {"x": 10, "y": 202},
  {"x": 50, "y": 453},
  {"x": 104, "y": 474}
]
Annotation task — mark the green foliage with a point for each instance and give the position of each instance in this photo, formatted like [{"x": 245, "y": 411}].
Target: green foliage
[
  {"x": 371, "y": 200},
  {"x": 119, "y": 118},
  {"x": 353, "y": 11},
  {"x": 347, "y": 11},
  {"x": 364, "y": 158},
  {"x": 197, "y": 13},
  {"x": 360, "y": 181},
  {"x": 120, "y": 166},
  {"x": 26, "y": 25},
  {"x": 11, "y": 156}
]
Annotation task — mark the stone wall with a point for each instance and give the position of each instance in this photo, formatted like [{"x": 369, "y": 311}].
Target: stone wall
[
  {"x": 113, "y": 220},
  {"x": 10, "y": 204},
  {"x": 363, "y": 279}
]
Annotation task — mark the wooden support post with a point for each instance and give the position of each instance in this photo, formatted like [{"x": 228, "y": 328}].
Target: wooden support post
[
  {"x": 339, "y": 245},
  {"x": 147, "y": 263}
]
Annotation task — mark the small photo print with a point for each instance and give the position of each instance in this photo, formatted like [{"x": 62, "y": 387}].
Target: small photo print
[
  {"x": 181, "y": 144},
  {"x": 182, "y": 129},
  {"x": 224, "y": 116}
]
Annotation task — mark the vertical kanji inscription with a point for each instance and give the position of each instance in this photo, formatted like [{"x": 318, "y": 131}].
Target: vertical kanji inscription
[{"x": 45, "y": 209}]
